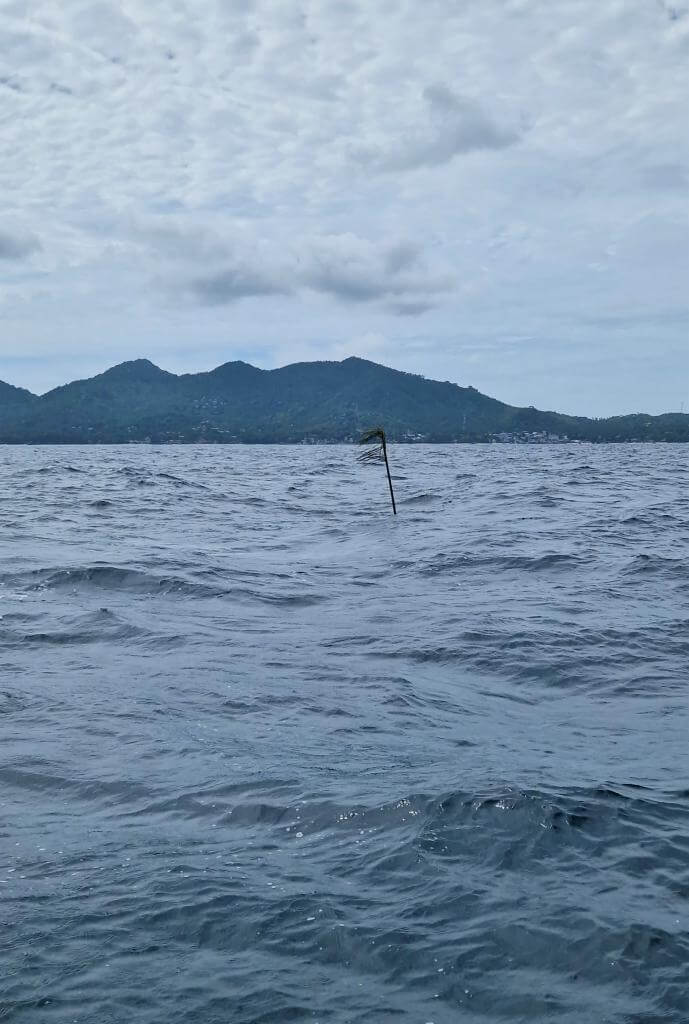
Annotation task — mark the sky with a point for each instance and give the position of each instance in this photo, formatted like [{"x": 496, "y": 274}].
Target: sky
[{"x": 492, "y": 192}]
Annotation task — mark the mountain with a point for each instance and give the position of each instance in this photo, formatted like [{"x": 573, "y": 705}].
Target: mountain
[
  {"x": 15, "y": 403},
  {"x": 14, "y": 398},
  {"x": 318, "y": 401}
]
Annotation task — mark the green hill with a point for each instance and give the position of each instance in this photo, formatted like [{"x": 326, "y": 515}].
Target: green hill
[
  {"x": 317, "y": 401},
  {"x": 14, "y": 398},
  {"x": 15, "y": 403}
]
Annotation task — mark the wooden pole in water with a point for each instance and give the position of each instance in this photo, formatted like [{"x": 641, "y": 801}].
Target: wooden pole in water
[
  {"x": 387, "y": 470},
  {"x": 379, "y": 452}
]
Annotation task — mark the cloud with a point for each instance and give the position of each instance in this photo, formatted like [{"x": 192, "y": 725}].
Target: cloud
[
  {"x": 108, "y": 30},
  {"x": 667, "y": 176},
  {"x": 353, "y": 269},
  {"x": 402, "y": 256},
  {"x": 234, "y": 283},
  {"x": 410, "y": 308},
  {"x": 15, "y": 245},
  {"x": 346, "y": 267},
  {"x": 172, "y": 237},
  {"x": 448, "y": 126}
]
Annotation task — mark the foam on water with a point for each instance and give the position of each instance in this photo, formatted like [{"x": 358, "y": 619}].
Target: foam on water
[{"x": 270, "y": 754}]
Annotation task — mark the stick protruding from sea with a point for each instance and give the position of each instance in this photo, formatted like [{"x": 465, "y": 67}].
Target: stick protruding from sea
[{"x": 378, "y": 452}]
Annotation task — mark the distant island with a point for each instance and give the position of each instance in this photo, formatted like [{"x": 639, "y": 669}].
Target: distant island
[{"x": 317, "y": 402}]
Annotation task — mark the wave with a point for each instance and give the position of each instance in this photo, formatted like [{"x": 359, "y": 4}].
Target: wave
[
  {"x": 426, "y": 498},
  {"x": 142, "y": 582},
  {"x": 56, "y": 469},
  {"x": 657, "y": 565},
  {"x": 110, "y": 577},
  {"x": 560, "y": 561},
  {"x": 182, "y": 481},
  {"x": 42, "y": 778},
  {"x": 94, "y": 627}
]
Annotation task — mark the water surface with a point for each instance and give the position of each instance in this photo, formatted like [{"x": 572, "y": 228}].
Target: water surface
[{"x": 269, "y": 754}]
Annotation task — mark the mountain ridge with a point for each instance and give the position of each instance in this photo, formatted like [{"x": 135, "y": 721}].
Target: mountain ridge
[{"x": 320, "y": 401}]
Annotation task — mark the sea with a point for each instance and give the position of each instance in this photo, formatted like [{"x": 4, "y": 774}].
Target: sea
[{"x": 270, "y": 753}]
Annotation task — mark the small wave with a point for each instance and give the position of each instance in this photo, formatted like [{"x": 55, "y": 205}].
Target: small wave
[
  {"x": 528, "y": 825},
  {"x": 527, "y": 563},
  {"x": 253, "y": 502},
  {"x": 554, "y": 560},
  {"x": 427, "y": 498},
  {"x": 11, "y": 703},
  {"x": 142, "y": 582},
  {"x": 651, "y": 518},
  {"x": 657, "y": 565},
  {"x": 42, "y": 778},
  {"x": 110, "y": 577},
  {"x": 293, "y": 600},
  {"x": 181, "y": 481},
  {"x": 91, "y": 628},
  {"x": 135, "y": 476},
  {"x": 58, "y": 469},
  {"x": 262, "y": 802}
]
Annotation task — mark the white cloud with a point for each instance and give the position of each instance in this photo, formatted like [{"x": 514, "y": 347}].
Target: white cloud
[{"x": 447, "y": 177}]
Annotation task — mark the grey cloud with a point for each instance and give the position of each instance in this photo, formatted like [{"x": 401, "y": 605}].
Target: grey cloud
[
  {"x": 410, "y": 308},
  {"x": 353, "y": 269},
  {"x": 344, "y": 285},
  {"x": 10, "y": 83},
  {"x": 173, "y": 238},
  {"x": 346, "y": 267},
  {"x": 17, "y": 245},
  {"x": 452, "y": 125},
  {"x": 402, "y": 256},
  {"x": 233, "y": 284},
  {"x": 673, "y": 12},
  {"x": 245, "y": 45},
  {"x": 236, "y": 263},
  {"x": 358, "y": 285},
  {"x": 667, "y": 176},
  {"x": 441, "y": 98}
]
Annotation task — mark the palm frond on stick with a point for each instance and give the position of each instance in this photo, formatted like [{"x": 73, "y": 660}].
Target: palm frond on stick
[{"x": 378, "y": 452}]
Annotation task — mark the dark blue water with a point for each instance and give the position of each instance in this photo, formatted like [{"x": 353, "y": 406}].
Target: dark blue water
[{"x": 268, "y": 754}]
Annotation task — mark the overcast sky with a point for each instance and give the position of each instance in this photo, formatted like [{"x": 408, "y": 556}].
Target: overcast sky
[{"x": 493, "y": 192}]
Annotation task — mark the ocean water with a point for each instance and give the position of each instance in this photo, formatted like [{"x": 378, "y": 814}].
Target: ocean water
[{"x": 269, "y": 754}]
